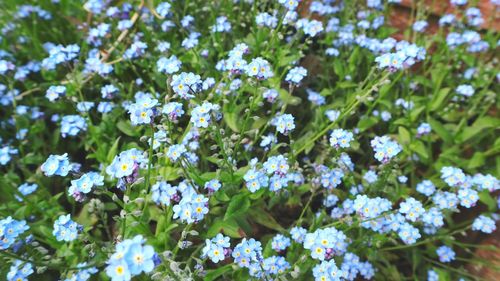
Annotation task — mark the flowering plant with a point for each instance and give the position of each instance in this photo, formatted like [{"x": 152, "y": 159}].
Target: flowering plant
[{"x": 245, "y": 140}]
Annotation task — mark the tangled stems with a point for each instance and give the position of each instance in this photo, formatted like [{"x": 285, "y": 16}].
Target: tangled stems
[
  {"x": 353, "y": 104},
  {"x": 55, "y": 266},
  {"x": 425, "y": 241}
]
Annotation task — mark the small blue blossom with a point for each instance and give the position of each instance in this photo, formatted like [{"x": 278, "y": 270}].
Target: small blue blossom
[
  {"x": 341, "y": 138},
  {"x": 426, "y": 187},
  {"x": 385, "y": 148},
  {"x": 484, "y": 224},
  {"x": 168, "y": 65},
  {"x": 280, "y": 242},
  {"x": 19, "y": 271},
  {"x": 284, "y": 123},
  {"x": 71, "y": 125},
  {"x": 213, "y": 185},
  {"x": 445, "y": 254},
  {"x": 296, "y": 74},
  {"x": 10, "y": 230},
  {"x": 186, "y": 85},
  {"x": 55, "y": 92},
  {"x": 56, "y": 165},
  {"x": 65, "y": 229}
]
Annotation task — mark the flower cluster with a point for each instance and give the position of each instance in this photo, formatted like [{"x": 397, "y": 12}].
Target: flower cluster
[
  {"x": 126, "y": 165},
  {"x": 56, "y": 165},
  {"x": 239, "y": 143},
  {"x": 217, "y": 249},
  {"x": 84, "y": 184},
  {"x": 385, "y": 148},
  {"x": 191, "y": 208},
  {"x": 65, "y": 229},
  {"x": 326, "y": 243},
  {"x": 131, "y": 258},
  {"x": 340, "y": 138},
  {"x": 10, "y": 230},
  {"x": 201, "y": 116}
]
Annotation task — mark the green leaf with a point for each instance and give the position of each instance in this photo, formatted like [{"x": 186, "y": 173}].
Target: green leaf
[
  {"x": 485, "y": 197},
  {"x": 215, "y": 273},
  {"x": 262, "y": 217},
  {"x": 438, "y": 99},
  {"x": 113, "y": 150},
  {"x": 366, "y": 123},
  {"x": 239, "y": 205},
  {"x": 127, "y": 128},
  {"x": 229, "y": 227},
  {"x": 404, "y": 135},
  {"x": 231, "y": 119},
  {"x": 480, "y": 126},
  {"x": 419, "y": 147},
  {"x": 477, "y": 160},
  {"x": 440, "y": 130}
]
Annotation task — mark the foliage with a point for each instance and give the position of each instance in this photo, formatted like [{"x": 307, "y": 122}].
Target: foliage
[{"x": 237, "y": 140}]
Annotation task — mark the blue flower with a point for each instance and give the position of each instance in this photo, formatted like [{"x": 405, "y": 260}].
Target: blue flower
[
  {"x": 85, "y": 183},
  {"x": 6, "y": 153},
  {"x": 65, "y": 229},
  {"x": 341, "y": 138},
  {"x": 290, "y": 4},
  {"x": 71, "y": 125},
  {"x": 270, "y": 95},
  {"x": 280, "y": 242},
  {"x": 412, "y": 209},
  {"x": 284, "y": 123},
  {"x": 163, "y": 9},
  {"x": 221, "y": 25},
  {"x": 186, "y": 85},
  {"x": 119, "y": 271},
  {"x": 163, "y": 193},
  {"x": 168, "y": 65},
  {"x": 465, "y": 90},
  {"x": 326, "y": 243},
  {"x": 484, "y": 224},
  {"x": 310, "y": 27},
  {"x": 131, "y": 258},
  {"x": 247, "y": 252},
  {"x": 296, "y": 74},
  {"x": 108, "y": 91},
  {"x": 445, "y": 254},
  {"x": 267, "y": 20},
  {"x": 137, "y": 49},
  {"x": 420, "y": 26},
  {"x": 10, "y": 229},
  {"x": 327, "y": 271},
  {"x": 176, "y": 151},
  {"x": 84, "y": 106},
  {"x": 56, "y": 165},
  {"x": 124, "y": 164},
  {"x": 55, "y": 92},
  {"x": 26, "y": 189},
  {"x": 426, "y": 187},
  {"x": 192, "y": 208},
  {"x": 259, "y": 68},
  {"x": 408, "y": 233},
  {"x": 385, "y": 148},
  {"x": 19, "y": 271},
  {"x": 143, "y": 110},
  {"x": 452, "y": 176},
  {"x": 315, "y": 97},
  {"x": 213, "y": 185},
  {"x": 331, "y": 178},
  {"x": 140, "y": 258},
  {"x": 298, "y": 234}
]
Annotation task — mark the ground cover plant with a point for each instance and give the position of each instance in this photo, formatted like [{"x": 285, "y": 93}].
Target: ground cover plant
[{"x": 246, "y": 140}]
